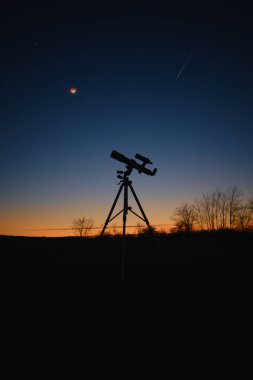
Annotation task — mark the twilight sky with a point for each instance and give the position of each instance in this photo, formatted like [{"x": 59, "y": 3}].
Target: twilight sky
[{"x": 125, "y": 61}]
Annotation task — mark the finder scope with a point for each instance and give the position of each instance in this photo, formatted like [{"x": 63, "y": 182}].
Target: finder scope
[
  {"x": 145, "y": 160},
  {"x": 132, "y": 164}
]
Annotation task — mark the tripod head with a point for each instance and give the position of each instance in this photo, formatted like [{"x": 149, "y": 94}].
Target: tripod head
[{"x": 132, "y": 164}]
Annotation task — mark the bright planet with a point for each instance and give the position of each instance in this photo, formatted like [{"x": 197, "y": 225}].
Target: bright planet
[{"x": 73, "y": 90}]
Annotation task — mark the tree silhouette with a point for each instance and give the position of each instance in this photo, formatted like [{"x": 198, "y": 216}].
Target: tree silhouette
[
  {"x": 185, "y": 218},
  {"x": 218, "y": 209},
  {"x": 82, "y": 226},
  {"x": 215, "y": 210},
  {"x": 244, "y": 216},
  {"x": 234, "y": 195}
]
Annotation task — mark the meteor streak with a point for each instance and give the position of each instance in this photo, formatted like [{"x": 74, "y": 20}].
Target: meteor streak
[{"x": 185, "y": 63}]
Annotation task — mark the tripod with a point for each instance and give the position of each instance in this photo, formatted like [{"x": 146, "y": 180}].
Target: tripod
[{"x": 125, "y": 183}]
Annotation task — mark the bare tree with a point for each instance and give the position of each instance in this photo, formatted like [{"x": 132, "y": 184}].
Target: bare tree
[
  {"x": 223, "y": 210},
  {"x": 185, "y": 218},
  {"x": 218, "y": 209},
  {"x": 82, "y": 226},
  {"x": 200, "y": 215},
  {"x": 244, "y": 216},
  {"x": 234, "y": 202},
  {"x": 205, "y": 211},
  {"x": 215, "y": 210}
]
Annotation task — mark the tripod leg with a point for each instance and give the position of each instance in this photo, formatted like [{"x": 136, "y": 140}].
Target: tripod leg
[
  {"x": 112, "y": 208},
  {"x": 147, "y": 222},
  {"x": 123, "y": 254},
  {"x": 140, "y": 207}
]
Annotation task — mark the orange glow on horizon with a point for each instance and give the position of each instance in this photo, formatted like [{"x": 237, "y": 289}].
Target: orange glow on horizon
[
  {"x": 68, "y": 232},
  {"x": 54, "y": 220}
]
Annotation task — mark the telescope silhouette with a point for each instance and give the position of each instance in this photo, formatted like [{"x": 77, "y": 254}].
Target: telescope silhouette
[{"x": 132, "y": 164}]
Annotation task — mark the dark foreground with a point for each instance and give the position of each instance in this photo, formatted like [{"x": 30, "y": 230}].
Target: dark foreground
[{"x": 68, "y": 314}]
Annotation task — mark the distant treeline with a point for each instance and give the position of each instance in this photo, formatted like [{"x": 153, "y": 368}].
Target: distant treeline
[{"x": 215, "y": 210}]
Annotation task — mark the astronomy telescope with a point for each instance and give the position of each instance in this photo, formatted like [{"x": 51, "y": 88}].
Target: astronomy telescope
[
  {"x": 126, "y": 184},
  {"x": 132, "y": 164}
]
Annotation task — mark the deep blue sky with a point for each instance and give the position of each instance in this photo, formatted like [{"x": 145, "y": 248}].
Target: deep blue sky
[{"x": 124, "y": 60}]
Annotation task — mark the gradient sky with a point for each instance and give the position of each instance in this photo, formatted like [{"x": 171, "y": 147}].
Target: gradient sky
[{"x": 124, "y": 61}]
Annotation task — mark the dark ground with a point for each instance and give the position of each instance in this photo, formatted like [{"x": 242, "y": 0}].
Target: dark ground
[{"x": 66, "y": 313}]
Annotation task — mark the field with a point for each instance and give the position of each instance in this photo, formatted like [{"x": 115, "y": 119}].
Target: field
[{"x": 183, "y": 309}]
